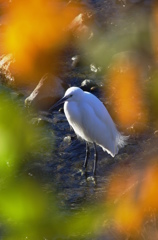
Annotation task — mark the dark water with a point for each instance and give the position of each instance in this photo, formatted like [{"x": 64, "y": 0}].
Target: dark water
[{"x": 60, "y": 168}]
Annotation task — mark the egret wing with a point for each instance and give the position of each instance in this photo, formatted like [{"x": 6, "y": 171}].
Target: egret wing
[
  {"x": 95, "y": 130},
  {"x": 113, "y": 140}
]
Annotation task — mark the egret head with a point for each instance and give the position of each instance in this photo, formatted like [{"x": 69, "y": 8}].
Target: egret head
[{"x": 71, "y": 94}]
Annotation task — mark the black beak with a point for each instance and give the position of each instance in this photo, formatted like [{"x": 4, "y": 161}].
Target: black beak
[{"x": 62, "y": 100}]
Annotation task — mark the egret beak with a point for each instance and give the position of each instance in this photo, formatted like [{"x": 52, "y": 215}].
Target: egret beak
[{"x": 62, "y": 100}]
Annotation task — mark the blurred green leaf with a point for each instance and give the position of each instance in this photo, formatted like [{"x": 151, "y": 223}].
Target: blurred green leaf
[
  {"x": 127, "y": 35},
  {"x": 16, "y": 135}
]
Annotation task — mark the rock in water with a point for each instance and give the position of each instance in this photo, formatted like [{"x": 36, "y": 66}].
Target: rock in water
[
  {"x": 47, "y": 92},
  {"x": 5, "y": 73}
]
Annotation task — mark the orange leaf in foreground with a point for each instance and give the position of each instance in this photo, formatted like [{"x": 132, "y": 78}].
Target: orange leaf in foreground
[{"x": 36, "y": 25}]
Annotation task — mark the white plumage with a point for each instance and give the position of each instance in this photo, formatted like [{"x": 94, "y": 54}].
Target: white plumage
[{"x": 91, "y": 121}]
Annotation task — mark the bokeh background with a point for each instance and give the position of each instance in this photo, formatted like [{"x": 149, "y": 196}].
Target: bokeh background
[{"x": 109, "y": 48}]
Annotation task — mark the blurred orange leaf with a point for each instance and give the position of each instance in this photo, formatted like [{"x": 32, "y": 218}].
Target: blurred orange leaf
[
  {"x": 36, "y": 25},
  {"x": 135, "y": 195},
  {"x": 126, "y": 92}
]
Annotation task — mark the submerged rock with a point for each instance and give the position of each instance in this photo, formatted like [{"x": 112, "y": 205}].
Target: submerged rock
[
  {"x": 88, "y": 84},
  {"x": 49, "y": 89},
  {"x": 67, "y": 139},
  {"x": 75, "y": 61},
  {"x": 95, "y": 69}
]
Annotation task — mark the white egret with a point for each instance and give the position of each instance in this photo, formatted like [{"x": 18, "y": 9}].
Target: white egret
[{"x": 91, "y": 121}]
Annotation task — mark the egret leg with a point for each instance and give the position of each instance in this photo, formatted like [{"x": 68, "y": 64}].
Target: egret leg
[
  {"x": 95, "y": 159},
  {"x": 87, "y": 155}
]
